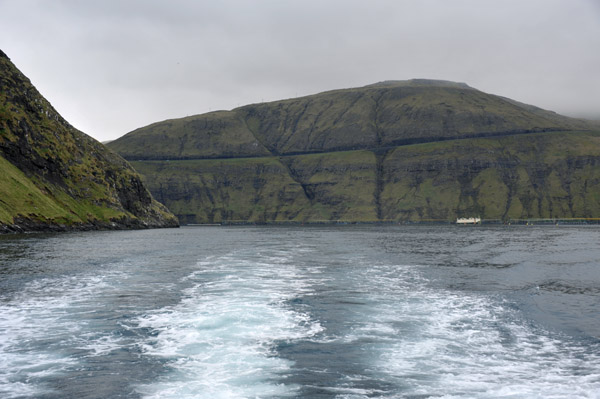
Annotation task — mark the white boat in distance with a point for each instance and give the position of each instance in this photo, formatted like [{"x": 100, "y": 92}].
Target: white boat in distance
[{"x": 468, "y": 220}]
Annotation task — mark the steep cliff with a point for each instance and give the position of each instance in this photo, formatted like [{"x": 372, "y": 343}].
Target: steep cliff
[
  {"x": 56, "y": 178},
  {"x": 394, "y": 151}
]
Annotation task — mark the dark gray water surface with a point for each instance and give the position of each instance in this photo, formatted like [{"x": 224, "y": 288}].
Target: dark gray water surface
[{"x": 307, "y": 312}]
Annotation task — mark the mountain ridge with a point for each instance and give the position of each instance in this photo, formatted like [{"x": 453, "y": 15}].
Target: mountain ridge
[
  {"x": 394, "y": 151},
  {"x": 299, "y": 118}
]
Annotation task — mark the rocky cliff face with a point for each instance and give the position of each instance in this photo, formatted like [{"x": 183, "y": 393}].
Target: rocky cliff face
[
  {"x": 551, "y": 175},
  {"x": 55, "y": 177},
  {"x": 394, "y": 151}
]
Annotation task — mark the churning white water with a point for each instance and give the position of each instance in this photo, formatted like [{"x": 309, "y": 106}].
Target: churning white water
[
  {"x": 219, "y": 341},
  {"x": 328, "y": 312}
]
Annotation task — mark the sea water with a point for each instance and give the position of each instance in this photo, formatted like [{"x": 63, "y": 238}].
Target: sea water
[{"x": 302, "y": 312}]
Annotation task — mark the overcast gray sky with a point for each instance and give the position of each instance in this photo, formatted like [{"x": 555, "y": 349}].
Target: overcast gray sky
[{"x": 111, "y": 66}]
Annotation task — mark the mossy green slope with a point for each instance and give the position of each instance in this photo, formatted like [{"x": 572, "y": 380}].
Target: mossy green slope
[
  {"x": 385, "y": 114},
  {"x": 213, "y": 135},
  {"x": 55, "y": 177}
]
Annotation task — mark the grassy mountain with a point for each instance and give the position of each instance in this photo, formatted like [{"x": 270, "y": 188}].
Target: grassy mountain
[
  {"x": 384, "y": 114},
  {"x": 393, "y": 151},
  {"x": 57, "y": 178}
]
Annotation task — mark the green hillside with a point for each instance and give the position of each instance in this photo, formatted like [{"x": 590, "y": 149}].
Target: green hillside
[
  {"x": 385, "y": 114},
  {"x": 57, "y": 178},
  {"x": 394, "y": 151}
]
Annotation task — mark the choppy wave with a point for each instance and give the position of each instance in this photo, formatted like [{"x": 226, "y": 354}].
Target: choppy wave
[
  {"x": 44, "y": 332},
  {"x": 321, "y": 314},
  {"x": 219, "y": 340},
  {"x": 448, "y": 344},
  {"x": 222, "y": 340}
]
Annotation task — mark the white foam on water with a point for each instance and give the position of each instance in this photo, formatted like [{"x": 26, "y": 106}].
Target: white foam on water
[
  {"x": 218, "y": 341},
  {"x": 450, "y": 344},
  {"x": 96, "y": 344},
  {"x": 40, "y": 327}
]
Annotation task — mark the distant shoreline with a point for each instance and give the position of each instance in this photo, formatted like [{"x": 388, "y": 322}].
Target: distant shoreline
[{"x": 497, "y": 222}]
